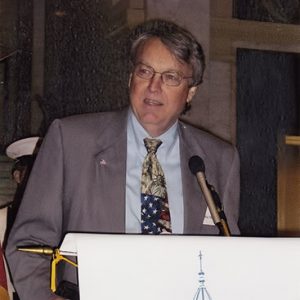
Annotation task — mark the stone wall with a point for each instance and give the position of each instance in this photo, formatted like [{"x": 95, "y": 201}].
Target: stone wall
[{"x": 7, "y": 185}]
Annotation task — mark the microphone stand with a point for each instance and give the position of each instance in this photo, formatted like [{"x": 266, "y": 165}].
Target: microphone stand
[{"x": 56, "y": 258}]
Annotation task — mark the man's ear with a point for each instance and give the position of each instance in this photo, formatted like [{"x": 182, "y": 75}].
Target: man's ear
[
  {"x": 191, "y": 94},
  {"x": 17, "y": 176},
  {"x": 129, "y": 80}
]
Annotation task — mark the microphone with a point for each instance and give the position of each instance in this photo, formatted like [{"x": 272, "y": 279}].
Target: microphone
[
  {"x": 37, "y": 249},
  {"x": 212, "y": 199}
]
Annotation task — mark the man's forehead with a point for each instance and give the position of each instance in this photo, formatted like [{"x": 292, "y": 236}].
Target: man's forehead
[{"x": 154, "y": 53}]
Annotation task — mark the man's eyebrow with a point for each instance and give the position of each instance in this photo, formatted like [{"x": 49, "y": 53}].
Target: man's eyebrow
[{"x": 167, "y": 70}]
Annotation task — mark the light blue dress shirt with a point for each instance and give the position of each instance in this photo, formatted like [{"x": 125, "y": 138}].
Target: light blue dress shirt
[{"x": 168, "y": 155}]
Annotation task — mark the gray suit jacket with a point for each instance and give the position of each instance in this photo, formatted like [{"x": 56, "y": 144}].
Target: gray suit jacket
[{"x": 78, "y": 184}]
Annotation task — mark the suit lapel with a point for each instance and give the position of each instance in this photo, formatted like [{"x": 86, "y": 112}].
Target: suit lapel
[
  {"x": 194, "y": 202},
  {"x": 111, "y": 171}
]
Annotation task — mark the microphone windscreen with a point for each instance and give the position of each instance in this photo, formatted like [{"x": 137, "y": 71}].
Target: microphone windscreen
[{"x": 196, "y": 164}]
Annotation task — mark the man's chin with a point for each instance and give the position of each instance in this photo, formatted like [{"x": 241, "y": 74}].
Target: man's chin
[
  {"x": 150, "y": 118},
  {"x": 152, "y": 125}
]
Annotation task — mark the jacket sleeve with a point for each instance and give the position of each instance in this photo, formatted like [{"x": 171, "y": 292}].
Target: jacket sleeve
[{"x": 39, "y": 220}]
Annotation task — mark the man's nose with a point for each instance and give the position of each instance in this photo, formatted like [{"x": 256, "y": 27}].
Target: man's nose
[{"x": 155, "y": 83}]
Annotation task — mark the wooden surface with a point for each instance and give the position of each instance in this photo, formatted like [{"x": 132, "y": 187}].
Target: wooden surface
[
  {"x": 289, "y": 190},
  {"x": 229, "y": 34}
]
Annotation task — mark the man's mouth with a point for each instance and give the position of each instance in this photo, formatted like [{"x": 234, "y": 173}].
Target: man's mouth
[{"x": 152, "y": 102}]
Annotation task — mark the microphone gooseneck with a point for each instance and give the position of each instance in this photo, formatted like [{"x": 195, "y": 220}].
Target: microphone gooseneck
[{"x": 211, "y": 197}]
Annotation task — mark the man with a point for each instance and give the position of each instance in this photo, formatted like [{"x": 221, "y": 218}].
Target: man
[
  {"x": 87, "y": 176},
  {"x": 23, "y": 152}
]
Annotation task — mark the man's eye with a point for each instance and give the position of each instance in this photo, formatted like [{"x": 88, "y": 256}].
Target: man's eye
[
  {"x": 171, "y": 76},
  {"x": 145, "y": 71}
]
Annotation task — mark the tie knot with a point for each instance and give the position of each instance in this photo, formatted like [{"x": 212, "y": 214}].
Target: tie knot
[{"x": 152, "y": 145}]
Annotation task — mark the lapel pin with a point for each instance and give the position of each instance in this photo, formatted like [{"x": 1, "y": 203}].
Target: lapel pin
[{"x": 102, "y": 162}]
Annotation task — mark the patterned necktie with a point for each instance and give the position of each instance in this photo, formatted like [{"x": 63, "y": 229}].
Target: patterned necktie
[{"x": 155, "y": 214}]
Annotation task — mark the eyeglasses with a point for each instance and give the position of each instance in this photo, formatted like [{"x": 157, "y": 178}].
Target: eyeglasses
[{"x": 170, "y": 78}]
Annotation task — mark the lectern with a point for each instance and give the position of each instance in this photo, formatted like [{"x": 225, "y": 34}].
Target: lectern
[{"x": 167, "y": 267}]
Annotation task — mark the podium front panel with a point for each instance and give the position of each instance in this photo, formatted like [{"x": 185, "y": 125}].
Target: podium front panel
[{"x": 167, "y": 267}]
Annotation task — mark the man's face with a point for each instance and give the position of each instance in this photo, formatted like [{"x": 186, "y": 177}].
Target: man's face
[
  {"x": 19, "y": 175},
  {"x": 156, "y": 105}
]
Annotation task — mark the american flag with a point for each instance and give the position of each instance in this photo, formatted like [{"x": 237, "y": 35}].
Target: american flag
[{"x": 154, "y": 218}]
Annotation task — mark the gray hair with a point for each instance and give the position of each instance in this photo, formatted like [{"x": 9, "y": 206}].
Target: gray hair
[{"x": 178, "y": 40}]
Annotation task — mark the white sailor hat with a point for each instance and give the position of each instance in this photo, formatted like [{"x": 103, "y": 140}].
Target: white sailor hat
[{"x": 22, "y": 147}]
